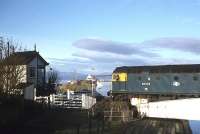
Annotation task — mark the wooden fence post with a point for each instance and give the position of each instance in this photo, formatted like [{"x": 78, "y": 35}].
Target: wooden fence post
[
  {"x": 97, "y": 126},
  {"x": 90, "y": 124},
  {"x": 78, "y": 128},
  {"x": 103, "y": 123},
  {"x": 111, "y": 113},
  {"x": 123, "y": 118}
]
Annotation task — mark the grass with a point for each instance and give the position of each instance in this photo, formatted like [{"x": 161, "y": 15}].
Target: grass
[{"x": 17, "y": 116}]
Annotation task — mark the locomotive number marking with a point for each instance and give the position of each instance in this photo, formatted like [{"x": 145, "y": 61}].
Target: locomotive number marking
[{"x": 146, "y": 83}]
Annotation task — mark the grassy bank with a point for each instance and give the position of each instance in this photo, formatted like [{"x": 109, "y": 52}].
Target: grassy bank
[{"x": 19, "y": 116}]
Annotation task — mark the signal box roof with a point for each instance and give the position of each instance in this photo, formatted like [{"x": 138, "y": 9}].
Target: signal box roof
[{"x": 23, "y": 58}]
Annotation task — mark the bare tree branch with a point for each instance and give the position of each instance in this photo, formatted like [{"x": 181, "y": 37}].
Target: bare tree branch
[{"x": 10, "y": 72}]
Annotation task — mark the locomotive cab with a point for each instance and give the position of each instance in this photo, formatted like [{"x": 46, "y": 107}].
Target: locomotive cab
[{"x": 119, "y": 82}]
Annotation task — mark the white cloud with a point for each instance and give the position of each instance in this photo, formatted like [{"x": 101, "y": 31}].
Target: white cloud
[
  {"x": 108, "y": 46},
  {"x": 191, "y": 45},
  {"x": 105, "y": 55}
]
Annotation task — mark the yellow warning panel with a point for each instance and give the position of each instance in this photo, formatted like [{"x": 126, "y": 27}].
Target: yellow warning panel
[{"x": 119, "y": 77}]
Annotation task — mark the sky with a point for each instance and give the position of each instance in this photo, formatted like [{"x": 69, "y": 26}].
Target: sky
[{"x": 96, "y": 36}]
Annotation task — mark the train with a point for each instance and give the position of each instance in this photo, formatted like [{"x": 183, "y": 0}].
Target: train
[{"x": 155, "y": 83}]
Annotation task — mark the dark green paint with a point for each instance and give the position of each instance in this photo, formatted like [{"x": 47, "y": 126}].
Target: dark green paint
[{"x": 159, "y": 83}]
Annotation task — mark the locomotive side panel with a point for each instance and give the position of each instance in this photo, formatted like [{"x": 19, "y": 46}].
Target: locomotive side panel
[
  {"x": 119, "y": 87},
  {"x": 159, "y": 83},
  {"x": 148, "y": 83}
]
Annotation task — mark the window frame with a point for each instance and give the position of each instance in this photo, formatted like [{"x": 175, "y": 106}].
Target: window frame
[{"x": 32, "y": 72}]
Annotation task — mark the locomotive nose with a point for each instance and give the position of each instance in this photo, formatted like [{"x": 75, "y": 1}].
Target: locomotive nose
[{"x": 119, "y": 77}]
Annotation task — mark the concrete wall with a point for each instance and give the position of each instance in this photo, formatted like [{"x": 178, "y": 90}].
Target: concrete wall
[
  {"x": 23, "y": 73},
  {"x": 175, "y": 109},
  {"x": 30, "y": 93},
  {"x": 87, "y": 101}
]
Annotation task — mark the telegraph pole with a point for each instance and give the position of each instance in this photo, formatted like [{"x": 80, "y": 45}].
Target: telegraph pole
[
  {"x": 1, "y": 48},
  {"x": 8, "y": 50},
  {"x": 92, "y": 82},
  {"x": 35, "y": 48}
]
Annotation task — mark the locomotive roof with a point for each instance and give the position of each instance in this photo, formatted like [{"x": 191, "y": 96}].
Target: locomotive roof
[{"x": 159, "y": 68}]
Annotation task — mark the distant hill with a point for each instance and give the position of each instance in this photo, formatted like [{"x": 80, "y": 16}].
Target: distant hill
[
  {"x": 80, "y": 76},
  {"x": 71, "y": 76}
]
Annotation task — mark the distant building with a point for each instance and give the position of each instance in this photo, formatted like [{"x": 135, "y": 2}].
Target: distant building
[
  {"x": 71, "y": 82},
  {"x": 90, "y": 77}
]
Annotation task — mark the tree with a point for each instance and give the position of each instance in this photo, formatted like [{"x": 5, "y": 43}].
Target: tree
[
  {"x": 77, "y": 86},
  {"x": 11, "y": 73},
  {"x": 52, "y": 77}
]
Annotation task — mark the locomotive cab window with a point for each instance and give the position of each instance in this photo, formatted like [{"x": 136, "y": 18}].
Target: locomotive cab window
[{"x": 116, "y": 77}]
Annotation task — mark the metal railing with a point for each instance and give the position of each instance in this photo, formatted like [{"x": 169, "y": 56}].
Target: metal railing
[{"x": 118, "y": 115}]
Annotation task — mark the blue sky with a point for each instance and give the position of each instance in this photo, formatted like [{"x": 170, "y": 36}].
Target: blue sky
[{"x": 102, "y": 34}]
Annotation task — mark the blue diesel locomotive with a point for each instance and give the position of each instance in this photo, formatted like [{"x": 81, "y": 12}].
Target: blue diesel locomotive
[{"x": 157, "y": 82}]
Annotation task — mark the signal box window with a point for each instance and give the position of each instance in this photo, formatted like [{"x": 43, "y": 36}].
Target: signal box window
[{"x": 32, "y": 72}]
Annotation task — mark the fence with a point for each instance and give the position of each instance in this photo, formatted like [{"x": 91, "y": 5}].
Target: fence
[
  {"x": 68, "y": 101},
  {"x": 65, "y": 101},
  {"x": 42, "y": 99},
  {"x": 118, "y": 115}
]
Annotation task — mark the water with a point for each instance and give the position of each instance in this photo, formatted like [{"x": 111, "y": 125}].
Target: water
[
  {"x": 104, "y": 88},
  {"x": 195, "y": 126}
]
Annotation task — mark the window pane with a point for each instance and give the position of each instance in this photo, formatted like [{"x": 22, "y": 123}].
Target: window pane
[{"x": 32, "y": 71}]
